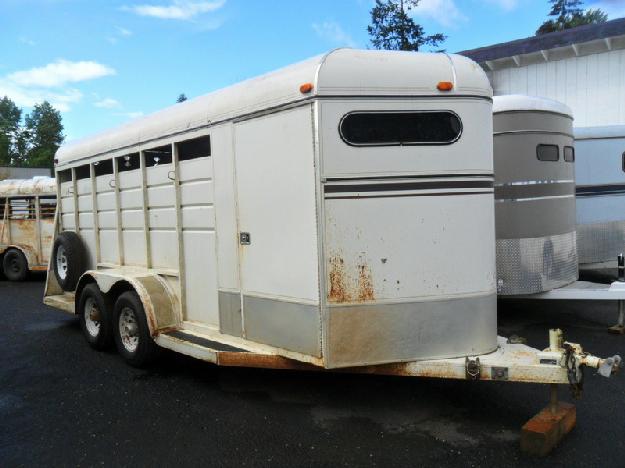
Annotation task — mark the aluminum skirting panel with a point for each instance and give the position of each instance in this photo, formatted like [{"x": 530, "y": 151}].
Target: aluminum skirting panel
[
  {"x": 600, "y": 242},
  {"x": 230, "y": 313},
  {"x": 533, "y": 265},
  {"x": 290, "y": 325},
  {"x": 383, "y": 333}
]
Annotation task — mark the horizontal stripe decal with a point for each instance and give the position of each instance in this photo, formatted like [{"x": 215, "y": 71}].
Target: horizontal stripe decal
[
  {"x": 410, "y": 177},
  {"x": 403, "y": 186},
  {"x": 598, "y": 190},
  {"x": 534, "y": 191},
  {"x": 403, "y": 195}
]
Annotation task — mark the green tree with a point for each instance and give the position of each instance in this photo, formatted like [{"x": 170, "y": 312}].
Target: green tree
[
  {"x": 181, "y": 98},
  {"x": 10, "y": 118},
  {"x": 392, "y": 28},
  {"x": 43, "y": 131},
  {"x": 570, "y": 14}
]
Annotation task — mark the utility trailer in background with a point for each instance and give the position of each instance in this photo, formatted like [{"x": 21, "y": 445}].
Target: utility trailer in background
[
  {"x": 337, "y": 214},
  {"x": 600, "y": 177},
  {"x": 27, "y": 208}
]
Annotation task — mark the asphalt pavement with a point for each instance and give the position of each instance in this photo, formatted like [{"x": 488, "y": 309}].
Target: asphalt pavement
[{"x": 63, "y": 404}]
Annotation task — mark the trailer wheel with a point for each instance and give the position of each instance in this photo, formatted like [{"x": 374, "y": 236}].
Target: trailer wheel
[
  {"x": 132, "y": 335},
  {"x": 15, "y": 265},
  {"x": 95, "y": 311},
  {"x": 68, "y": 259}
]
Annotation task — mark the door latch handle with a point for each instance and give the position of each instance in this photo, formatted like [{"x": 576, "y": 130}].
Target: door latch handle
[{"x": 245, "y": 238}]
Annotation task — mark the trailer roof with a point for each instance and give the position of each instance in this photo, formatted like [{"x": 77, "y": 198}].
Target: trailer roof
[
  {"x": 342, "y": 72},
  {"x": 544, "y": 42},
  {"x": 596, "y": 133},
  {"x": 26, "y": 187},
  {"x": 520, "y": 102}
]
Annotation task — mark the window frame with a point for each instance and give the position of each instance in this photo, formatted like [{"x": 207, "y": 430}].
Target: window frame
[
  {"x": 551, "y": 145},
  {"x": 393, "y": 144},
  {"x": 572, "y": 148}
]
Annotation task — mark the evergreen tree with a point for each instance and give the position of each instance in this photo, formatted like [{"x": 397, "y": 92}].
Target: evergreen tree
[
  {"x": 181, "y": 98},
  {"x": 44, "y": 134},
  {"x": 570, "y": 14},
  {"x": 10, "y": 117},
  {"x": 392, "y": 28}
]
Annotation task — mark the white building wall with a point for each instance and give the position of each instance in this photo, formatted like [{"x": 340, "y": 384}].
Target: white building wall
[{"x": 592, "y": 85}]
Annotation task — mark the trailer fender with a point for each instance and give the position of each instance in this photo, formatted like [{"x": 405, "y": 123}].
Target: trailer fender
[{"x": 158, "y": 300}]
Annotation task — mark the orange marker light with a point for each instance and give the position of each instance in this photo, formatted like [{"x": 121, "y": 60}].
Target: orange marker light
[
  {"x": 306, "y": 88},
  {"x": 445, "y": 86}
]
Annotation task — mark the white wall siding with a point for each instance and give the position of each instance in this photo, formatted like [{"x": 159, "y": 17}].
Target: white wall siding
[{"x": 592, "y": 85}]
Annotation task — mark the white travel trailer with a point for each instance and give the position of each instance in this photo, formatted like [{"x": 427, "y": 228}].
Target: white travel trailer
[
  {"x": 27, "y": 208},
  {"x": 337, "y": 213},
  {"x": 600, "y": 174},
  {"x": 534, "y": 194}
]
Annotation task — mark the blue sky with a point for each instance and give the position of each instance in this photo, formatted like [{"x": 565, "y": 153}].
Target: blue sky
[{"x": 104, "y": 62}]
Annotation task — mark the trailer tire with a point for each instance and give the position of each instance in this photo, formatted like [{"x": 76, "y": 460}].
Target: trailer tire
[
  {"x": 95, "y": 311},
  {"x": 131, "y": 331},
  {"x": 68, "y": 259},
  {"x": 15, "y": 265}
]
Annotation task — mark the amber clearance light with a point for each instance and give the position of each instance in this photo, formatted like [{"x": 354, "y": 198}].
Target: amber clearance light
[
  {"x": 445, "y": 86},
  {"x": 306, "y": 88}
]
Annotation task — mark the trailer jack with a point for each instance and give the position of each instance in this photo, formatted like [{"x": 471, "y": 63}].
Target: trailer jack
[{"x": 544, "y": 431}]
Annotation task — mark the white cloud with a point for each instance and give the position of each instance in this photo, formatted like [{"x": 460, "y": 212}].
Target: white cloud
[
  {"x": 29, "y": 87},
  {"x": 507, "y": 5},
  {"x": 107, "y": 103},
  {"x": 123, "y": 31},
  {"x": 614, "y": 8},
  {"x": 332, "y": 32},
  {"x": 179, "y": 9},
  {"x": 60, "y": 73},
  {"x": 26, "y": 97},
  {"x": 27, "y": 41},
  {"x": 444, "y": 12}
]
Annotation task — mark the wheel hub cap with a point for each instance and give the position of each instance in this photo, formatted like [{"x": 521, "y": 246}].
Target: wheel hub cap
[
  {"x": 129, "y": 329},
  {"x": 92, "y": 317}
]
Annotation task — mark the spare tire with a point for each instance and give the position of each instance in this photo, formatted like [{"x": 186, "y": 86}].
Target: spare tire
[{"x": 69, "y": 259}]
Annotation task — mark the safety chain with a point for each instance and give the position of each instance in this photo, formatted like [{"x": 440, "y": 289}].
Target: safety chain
[{"x": 575, "y": 373}]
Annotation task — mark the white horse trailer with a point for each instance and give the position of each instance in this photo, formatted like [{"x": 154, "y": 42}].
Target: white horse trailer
[
  {"x": 27, "y": 208},
  {"x": 534, "y": 194},
  {"x": 600, "y": 174},
  {"x": 337, "y": 213}
]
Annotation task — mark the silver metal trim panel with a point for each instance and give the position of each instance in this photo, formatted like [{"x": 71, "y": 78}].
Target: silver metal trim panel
[
  {"x": 289, "y": 325},
  {"x": 365, "y": 334},
  {"x": 600, "y": 242},
  {"x": 230, "y": 322},
  {"x": 534, "y": 265}
]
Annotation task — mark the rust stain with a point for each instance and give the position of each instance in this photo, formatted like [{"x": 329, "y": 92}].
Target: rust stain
[
  {"x": 365, "y": 284},
  {"x": 349, "y": 288},
  {"x": 338, "y": 288}
]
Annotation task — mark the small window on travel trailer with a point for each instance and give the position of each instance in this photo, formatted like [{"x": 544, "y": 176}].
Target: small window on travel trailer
[
  {"x": 104, "y": 167},
  {"x": 128, "y": 162},
  {"x": 195, "y": 148},
  {"x": 548, "y": 152},
  {"x": 400, "y": 128},
  {"x": 22, "y": 208},
  {"x": 623, "y": 161},
  {"x": 82, "y": 172},
  {"x": 158, "y": 156},
  {"x": 3, "y": 202},
  {"x": 569, "y": 154},
  {"x": 47, "y": 207}
]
